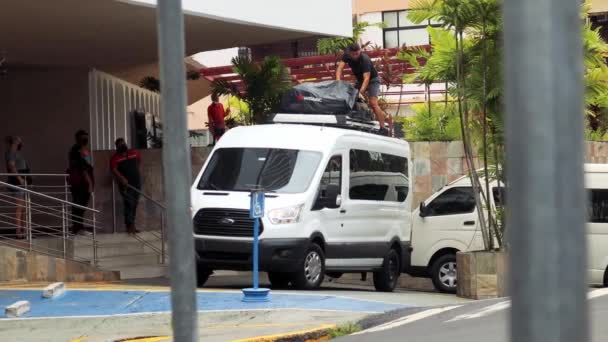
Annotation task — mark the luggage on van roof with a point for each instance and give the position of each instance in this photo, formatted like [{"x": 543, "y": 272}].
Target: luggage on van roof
[{"x": 328, "y": 103}]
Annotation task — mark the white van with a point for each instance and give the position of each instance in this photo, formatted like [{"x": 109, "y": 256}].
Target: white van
[
  {"x": 447, "y": 222},
  {"x": 337, "y": 201}
]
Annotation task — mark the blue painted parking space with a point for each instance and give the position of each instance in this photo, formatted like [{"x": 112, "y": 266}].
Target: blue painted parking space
[{"x": 105, "y": 303}]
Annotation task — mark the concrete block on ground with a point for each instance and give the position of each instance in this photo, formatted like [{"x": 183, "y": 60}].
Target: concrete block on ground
[
  {"x": 54, "y": 290},
  {"x": 17, "y": 309}
]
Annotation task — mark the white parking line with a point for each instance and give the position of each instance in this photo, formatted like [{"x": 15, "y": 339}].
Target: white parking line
[
  {"x": 408, "y": 319},
  {"x": 483, "y": 312}
]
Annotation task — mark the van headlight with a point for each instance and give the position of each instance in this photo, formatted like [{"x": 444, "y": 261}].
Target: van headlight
[{"x": 285, "y": 215}]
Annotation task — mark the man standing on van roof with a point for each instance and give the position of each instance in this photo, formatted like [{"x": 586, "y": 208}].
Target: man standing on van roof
[{"x": 368, "y": 81}]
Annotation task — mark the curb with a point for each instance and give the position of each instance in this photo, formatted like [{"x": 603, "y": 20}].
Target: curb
[{"x": 302, "y": 335}]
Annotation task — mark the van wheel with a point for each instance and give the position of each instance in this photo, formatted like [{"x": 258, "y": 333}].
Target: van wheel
[
  {"x": 279, "y": 280},
  {"x": 386, "y": 280},
  {"x": 202, "y": 275},
  {"x": 444, "y": 275},
  {"x": 606, "y": 277},
  {"x": 311, "y": 270}
]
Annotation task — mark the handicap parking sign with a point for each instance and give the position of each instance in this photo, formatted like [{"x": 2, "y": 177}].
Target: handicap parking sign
[{"x": 256, "y": 209}]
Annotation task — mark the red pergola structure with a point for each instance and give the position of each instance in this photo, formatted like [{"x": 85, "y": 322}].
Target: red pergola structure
[{"x": 323, "y": 68}]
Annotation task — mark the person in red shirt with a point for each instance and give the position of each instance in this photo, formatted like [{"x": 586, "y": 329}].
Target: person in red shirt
[
  {"x": 125, "y": 166},
  {"x": 216, "y": 114}
]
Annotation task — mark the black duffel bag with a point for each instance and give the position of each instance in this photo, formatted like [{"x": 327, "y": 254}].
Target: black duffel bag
[{"x": 327, "y": 97}]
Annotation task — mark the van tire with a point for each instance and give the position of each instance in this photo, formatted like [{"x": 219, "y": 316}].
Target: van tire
[
  {"x": 311, "y": 270},
  {"x": 202, "y": 275},
  {"x": 386, "y": 279},
  {"x": 279, "y": 280},
  {"x": 444, "y": 273}
]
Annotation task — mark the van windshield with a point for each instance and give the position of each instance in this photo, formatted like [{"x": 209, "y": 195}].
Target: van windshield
[{"x": 270, "y": 169}]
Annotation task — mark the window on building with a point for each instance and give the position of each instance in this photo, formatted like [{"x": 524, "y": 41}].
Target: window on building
[
  {"x": 453, "y": 201},
  {"x": 399, "y": 30}
]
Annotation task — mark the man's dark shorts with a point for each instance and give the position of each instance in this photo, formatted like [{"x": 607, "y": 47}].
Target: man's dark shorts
[{"x": 373, "y": 88}]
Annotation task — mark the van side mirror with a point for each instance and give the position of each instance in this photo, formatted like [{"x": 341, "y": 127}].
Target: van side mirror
[
  {"x": 423, "y": 210},
  {"x": 329, "y": 198}
]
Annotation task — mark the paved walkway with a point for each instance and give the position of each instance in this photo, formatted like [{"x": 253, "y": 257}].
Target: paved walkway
[
  {"x": 117, "y": 302},
  {"x": 104, "y": 312}
]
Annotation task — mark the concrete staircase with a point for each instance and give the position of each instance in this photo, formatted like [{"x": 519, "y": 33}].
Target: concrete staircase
[{"x": 122, "y": 252}]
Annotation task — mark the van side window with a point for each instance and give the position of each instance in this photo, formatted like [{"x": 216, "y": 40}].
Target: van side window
[
  {"x": 376, "y": 176},
  {"x": 333, "y": 174},
  {"x": 598, "y": 206},
  {"x": 499, "y": 196},
  {"x": 453, "y": 201}
]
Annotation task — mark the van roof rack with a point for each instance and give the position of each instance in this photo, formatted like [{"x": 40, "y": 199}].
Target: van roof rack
[{"x": 329, "y": 120}]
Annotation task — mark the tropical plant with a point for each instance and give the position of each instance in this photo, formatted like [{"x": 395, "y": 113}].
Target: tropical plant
[
  {"x": 439, "y": 122},
  {"x": 336, "y": 45},
  {"x": 470, "y": 66},
  {"x": 467, "y": 56},
  {"x": 262, "y": 85}
]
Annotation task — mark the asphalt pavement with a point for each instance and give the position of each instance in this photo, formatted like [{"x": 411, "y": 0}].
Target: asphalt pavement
[{"x": 479, "y": 321}]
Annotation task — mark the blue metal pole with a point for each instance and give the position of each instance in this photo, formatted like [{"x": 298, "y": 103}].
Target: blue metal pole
[{"x": 256, "y": 232}]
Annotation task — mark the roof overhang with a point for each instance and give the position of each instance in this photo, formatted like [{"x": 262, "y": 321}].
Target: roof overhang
[{"x": 97, "y": 33}]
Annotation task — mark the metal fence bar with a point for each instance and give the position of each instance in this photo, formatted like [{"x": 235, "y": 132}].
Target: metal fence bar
[
  {"x": 546, "y": 213},
  {"x": 177, "y": 175}
]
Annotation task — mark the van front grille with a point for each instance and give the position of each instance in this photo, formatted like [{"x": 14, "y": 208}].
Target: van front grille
[{"x": 224, "y": 222}]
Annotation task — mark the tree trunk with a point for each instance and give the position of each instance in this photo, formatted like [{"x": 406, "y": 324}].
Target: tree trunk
[{"x": 464, "y": 124}]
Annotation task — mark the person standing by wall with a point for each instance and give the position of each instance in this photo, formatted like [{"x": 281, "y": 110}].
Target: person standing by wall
[
  {"x": 80, "y": 178},
  {"x": 16, "y": 164},
  {"x": 125, "y": 166},
  {"x": 216, "y": 115}
]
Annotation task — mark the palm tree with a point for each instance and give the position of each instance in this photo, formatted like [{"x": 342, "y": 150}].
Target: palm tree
[{"x": 262, "y": 85}]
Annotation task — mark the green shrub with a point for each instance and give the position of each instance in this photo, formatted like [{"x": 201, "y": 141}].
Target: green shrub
[{"x": 440, "y": 124}]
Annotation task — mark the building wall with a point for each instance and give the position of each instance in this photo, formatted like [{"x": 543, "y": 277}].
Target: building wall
[
  {"x": 367, "y": 6},
  {"x": 46, "y": 107}
]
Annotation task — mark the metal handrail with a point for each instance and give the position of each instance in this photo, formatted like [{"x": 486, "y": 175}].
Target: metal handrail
[
  {"x": 160, "y": 237},
  {"x": 146, "y": 196},
  {"x": 14, "y": 187},
  {"x": 50, "y": 211}
]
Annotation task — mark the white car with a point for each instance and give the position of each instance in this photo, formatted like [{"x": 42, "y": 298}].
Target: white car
[
  {"x": 447, "y": 223},
  {"x": 337, "y": 201}
]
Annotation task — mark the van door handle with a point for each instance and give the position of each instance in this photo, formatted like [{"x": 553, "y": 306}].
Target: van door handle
[
  {"x": 342, "y": 211},
  {"x": 469, "y": 223}
]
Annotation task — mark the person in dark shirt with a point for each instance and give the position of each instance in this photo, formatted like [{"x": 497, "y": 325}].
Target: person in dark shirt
[
  {"x": 81, "y": 180},
  {"x": 216, "y": 115},
  {"x": 125, "y": 164},
  {"x": 368, "y": 81}
]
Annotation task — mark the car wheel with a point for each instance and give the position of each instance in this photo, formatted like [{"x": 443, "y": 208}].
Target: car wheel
[
  {"x": 202, "y": 275},
  {"x": 386, "y": 279},
  {"x": 279, "y": 280},
  {"x": 444, "y": 275},
  {"x": 311, "y": 270}
]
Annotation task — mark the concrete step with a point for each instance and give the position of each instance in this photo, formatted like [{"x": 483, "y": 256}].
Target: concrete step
[
  {"x": 139, "y": 272},
  {"x": 115, "y": 262}
]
